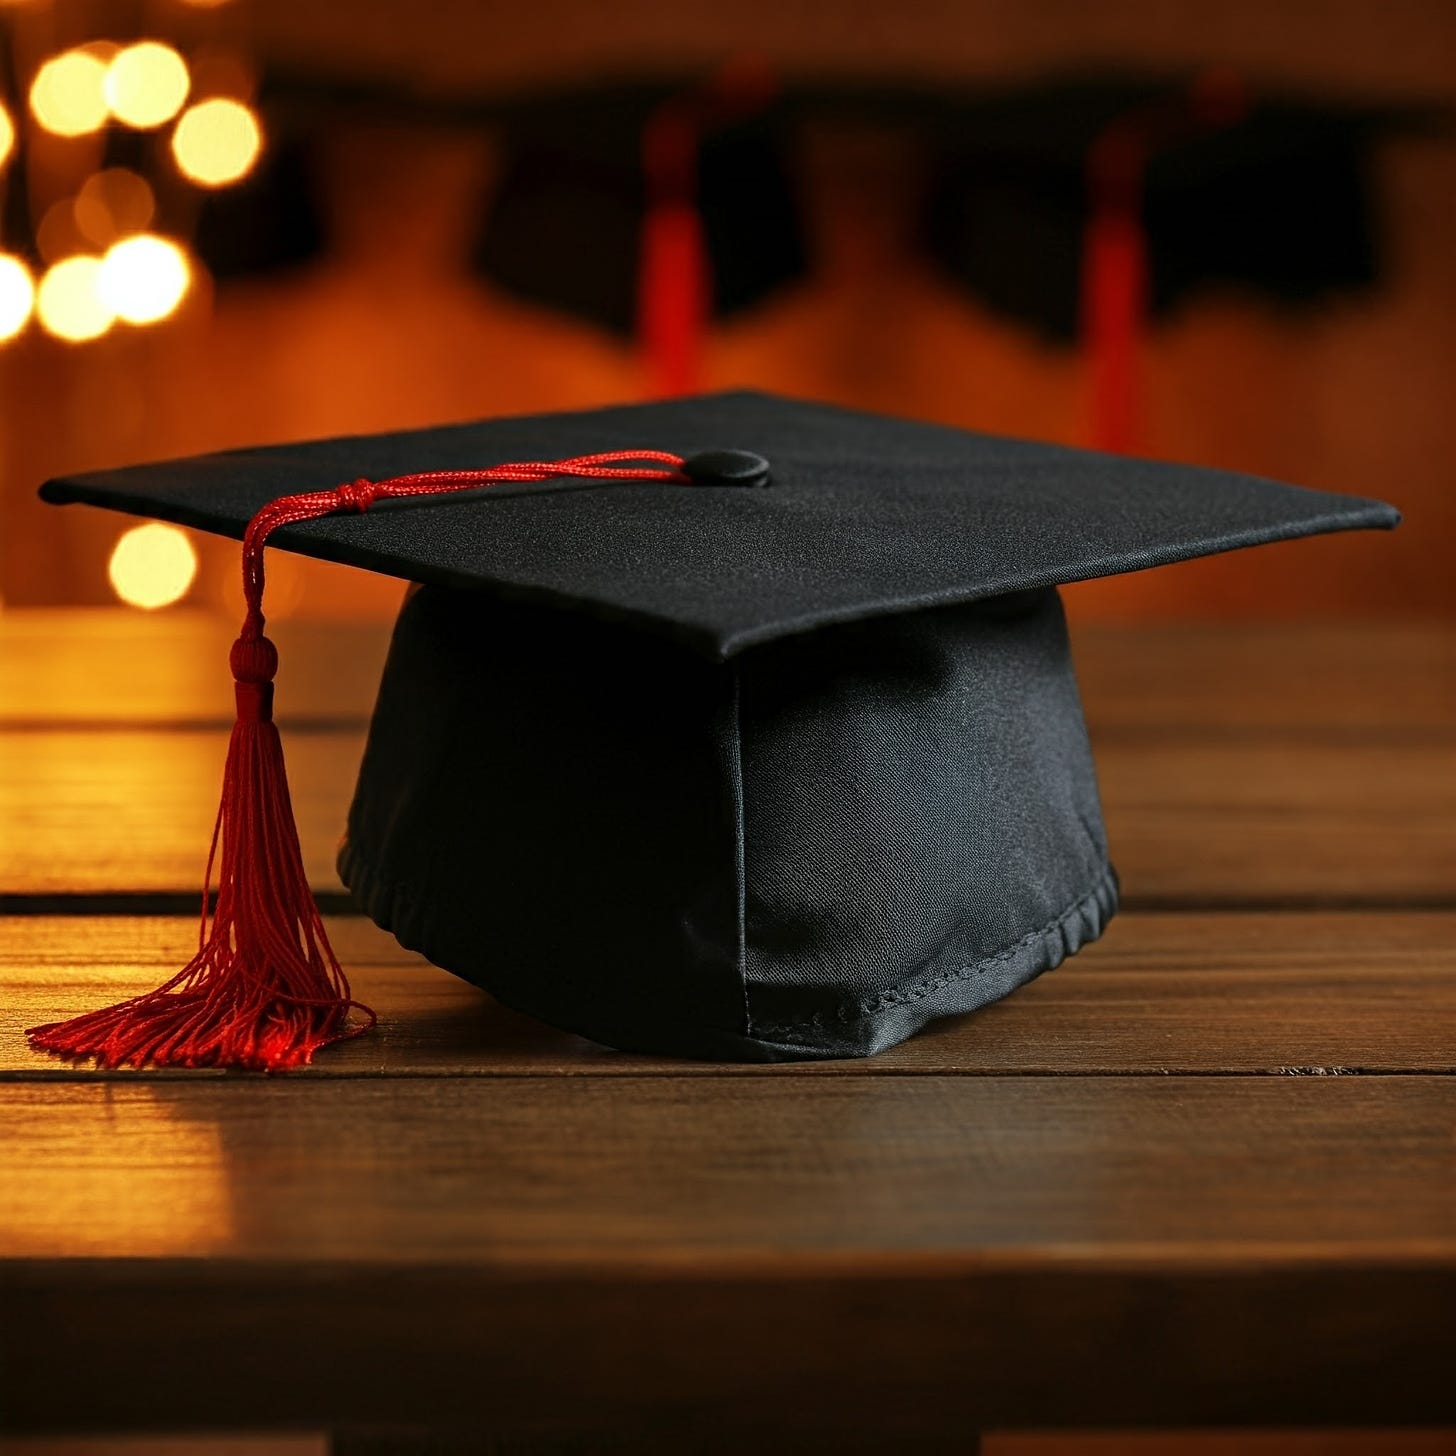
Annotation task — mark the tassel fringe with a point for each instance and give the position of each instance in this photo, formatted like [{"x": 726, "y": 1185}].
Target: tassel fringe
[{"x": 264, "y": 991}]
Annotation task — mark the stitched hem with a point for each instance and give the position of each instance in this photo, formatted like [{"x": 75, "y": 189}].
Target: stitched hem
[
  {"x": 1091, "y": 902},
  {"x": 853, "y": 1029}
]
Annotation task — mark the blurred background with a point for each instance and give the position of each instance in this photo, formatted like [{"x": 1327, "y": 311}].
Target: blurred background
[{"x": 1221, "y": 234}]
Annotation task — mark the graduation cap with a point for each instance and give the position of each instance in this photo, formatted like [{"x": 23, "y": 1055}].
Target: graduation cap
[
  {"x": 1087, "y": 206},
  {"x": 1268, "y": 193},
  {"x": 647, "y": 209},
  {"x": 733, "y": 726}
]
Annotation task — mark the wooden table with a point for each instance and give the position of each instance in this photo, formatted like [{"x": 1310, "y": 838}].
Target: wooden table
[{"x": 1204, "y": 1174}]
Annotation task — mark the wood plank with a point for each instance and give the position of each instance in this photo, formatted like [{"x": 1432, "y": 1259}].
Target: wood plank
[
  {"x": 107, "y": 665},
  {"x": 1154, "y": 1172},
  {"x": 1267, "y": 821},
  {"x": 757, "y": 1356},
  {"x": 132, "y": 809},
  {"x": 1341, "y": 678},
  {"x": 1275, "y": 994},
  {"x": 1274, "y": 823},
  {"x": 892, "y": 1254},
  {"x": 84, "y": 665}
]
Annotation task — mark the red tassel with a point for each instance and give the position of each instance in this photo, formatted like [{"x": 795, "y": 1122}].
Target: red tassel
[
  {"x": 264, "y": 991},
  {"x": 674, "y": 296},
  {"x": 1114, "y": 283},
  {"x": 1114, "y": 302},
  {"x": 675, "y": 272}
]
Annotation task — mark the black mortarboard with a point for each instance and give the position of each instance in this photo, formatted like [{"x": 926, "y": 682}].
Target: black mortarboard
[{"x": 731, "y": 759}]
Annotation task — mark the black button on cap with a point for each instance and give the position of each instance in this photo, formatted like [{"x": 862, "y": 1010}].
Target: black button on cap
[{"x": 726, "y": 467}]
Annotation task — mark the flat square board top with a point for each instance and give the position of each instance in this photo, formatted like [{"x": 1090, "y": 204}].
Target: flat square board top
[{"x": 865, "y": 514}]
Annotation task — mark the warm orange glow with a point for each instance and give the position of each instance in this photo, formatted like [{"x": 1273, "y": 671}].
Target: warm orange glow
[
  {"x": 56, "y": 235},
  {"x": 17, "y": 295},
  {"x": 152, "y": 566},
  {"x": 7, "y": 136},
  {"x": 143, "y": 278},
  {"x": 67, "y": 95},
  {"x": 146, "y": 84},
  {"x": 68, "y": 303},
  {"x": 111, "y": 204},
  {"x": 147, "y": 1207},
  {"x": 217, "y": 141},
  {"x": 220, "y": 71}
]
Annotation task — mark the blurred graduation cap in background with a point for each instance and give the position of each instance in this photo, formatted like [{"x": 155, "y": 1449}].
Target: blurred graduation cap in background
[
  {"x": 1084, "y": 208},
  {"x": 1271, "y": 195},
  {"x": 648, "y": 209}
]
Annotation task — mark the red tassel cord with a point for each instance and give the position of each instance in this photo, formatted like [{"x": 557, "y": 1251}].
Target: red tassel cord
[{"x": 265, "y": 991}]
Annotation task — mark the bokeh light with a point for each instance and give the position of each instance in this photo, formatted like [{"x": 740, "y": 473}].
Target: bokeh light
[
  {"x": 146, "y": 84},
  {"x": 68, "y": 302},
  {"x": 152, "y": 566},
  {"x": 217, "y": 141},
  {"x": 143, "y": 278},
  {"x": 7, "y": 135},
  {"x": 17, "y": 295},
  {"x": 68, "y": 96},
  {"x": 113, "y": 203}
]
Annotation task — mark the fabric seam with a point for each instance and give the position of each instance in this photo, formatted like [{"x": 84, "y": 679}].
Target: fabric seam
[
  {"x": 908, "y": 995},
  {"x": 740, "y": 848}
]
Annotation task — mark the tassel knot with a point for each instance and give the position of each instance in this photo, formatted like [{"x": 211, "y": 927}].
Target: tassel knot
[
  {"x": 254, "y": 659},
  {"x": 356, "y": 495}
]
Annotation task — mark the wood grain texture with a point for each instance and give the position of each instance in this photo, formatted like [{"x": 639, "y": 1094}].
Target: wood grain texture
[
  {"x": 727, "y": 1174},
  {"x": 1271, "y": 678},
  {"x": 1203, "y": 822},
  {"x": 1277, "y": 823},
  {"x": 893, "y": 1254},
  {"x": 132, "y": 809},
  {"x": 77, "y": 666},
  {"x": 1279, "y": 994}
]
